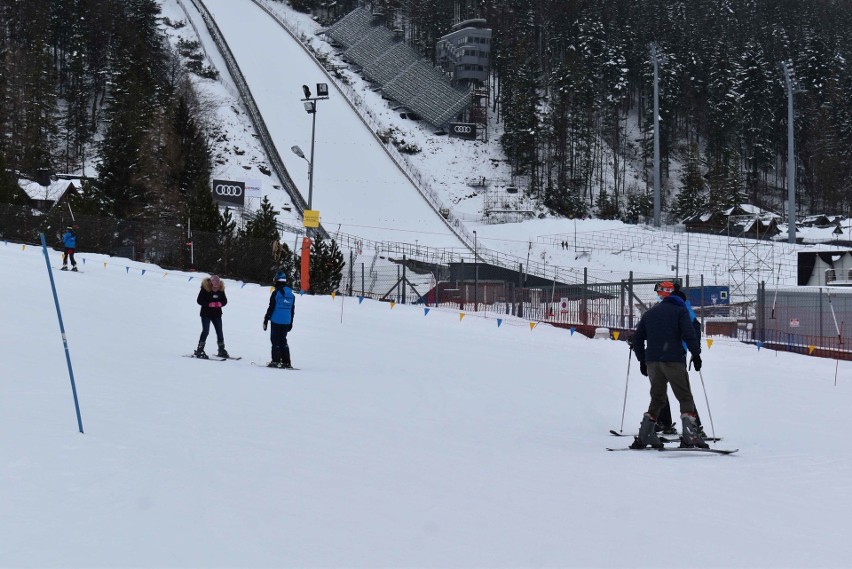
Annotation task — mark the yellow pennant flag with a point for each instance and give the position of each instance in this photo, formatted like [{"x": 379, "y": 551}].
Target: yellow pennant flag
[
  {"x": 532, "y": 325},
  {"x": 811, "y": 349},
  {"x": 333, "y": 295},
  {"x": 709, "y": 342},
  {"x": 393, "y": 304},
  {"x": 616, "y": 334},
  {"x": 461, "y": 316},
  {"x": 23, "y": 247},
  {"x": 105, "y": 264}
]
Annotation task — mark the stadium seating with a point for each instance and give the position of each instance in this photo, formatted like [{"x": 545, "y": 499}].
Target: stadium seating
[{"x": 398, "y": 69}]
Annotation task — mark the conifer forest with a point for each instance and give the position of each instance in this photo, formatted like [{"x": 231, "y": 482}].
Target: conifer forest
[{"x": 571, "y": 85}]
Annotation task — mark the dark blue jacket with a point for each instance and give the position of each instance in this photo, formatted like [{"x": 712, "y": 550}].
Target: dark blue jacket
[{"x": 663, "y": 328}]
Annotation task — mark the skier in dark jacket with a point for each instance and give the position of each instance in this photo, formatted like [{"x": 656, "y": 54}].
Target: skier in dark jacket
[
  {"x": 69, "y": 244},
  {"x": 663, "y": 328},
  {"x": 211, "y": 298},
  {"x": 664, "y": 419},
  {"x": 281, "y": 311}
]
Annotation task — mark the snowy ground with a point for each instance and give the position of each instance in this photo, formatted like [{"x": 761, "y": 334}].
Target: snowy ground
[{"x": 406, "y": 440}]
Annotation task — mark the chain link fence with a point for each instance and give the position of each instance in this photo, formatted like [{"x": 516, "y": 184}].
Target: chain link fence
[{"x": 804, "y": 319}]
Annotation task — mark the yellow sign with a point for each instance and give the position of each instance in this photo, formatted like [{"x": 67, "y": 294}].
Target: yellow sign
[{"x": 311, "y": 218}]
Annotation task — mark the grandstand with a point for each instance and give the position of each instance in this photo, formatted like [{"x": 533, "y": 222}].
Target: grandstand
[{"x": 399, "y": 71}]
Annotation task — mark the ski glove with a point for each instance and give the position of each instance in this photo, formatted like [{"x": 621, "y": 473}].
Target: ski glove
[
  {"x": 265, "y": 323},
  {"x": 215, "y": 305},
  {"x": 643, "y": 368},
  {"x": 696, "y": 361}
]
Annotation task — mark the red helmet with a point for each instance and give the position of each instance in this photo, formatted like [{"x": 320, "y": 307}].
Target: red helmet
[{"x": 664, "y": 288}]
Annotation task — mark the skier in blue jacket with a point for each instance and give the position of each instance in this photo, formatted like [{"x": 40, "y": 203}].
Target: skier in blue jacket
[
  {"x": 281, "y": 310},
  {"x": 664, "y": 327},
  {"x": 69, "y": 243}
]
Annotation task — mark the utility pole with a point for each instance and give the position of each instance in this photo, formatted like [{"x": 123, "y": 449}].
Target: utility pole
[{"x": 656, "y": 60}]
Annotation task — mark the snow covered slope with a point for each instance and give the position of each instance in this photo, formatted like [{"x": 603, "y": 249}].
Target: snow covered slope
[{"x": 406, "y": 440}]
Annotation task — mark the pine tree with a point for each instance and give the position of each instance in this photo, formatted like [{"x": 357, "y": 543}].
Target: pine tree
[
  {"x": 326, "y": 266},
  {"x": 263, "y": 225},
  {"x": 607, "y": 206},
  {"x": 691, "y": 198}
]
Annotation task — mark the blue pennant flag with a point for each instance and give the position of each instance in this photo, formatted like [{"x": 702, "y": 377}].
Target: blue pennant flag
[
  {"x": 360, "y": 299},
  {"x": 84, "y": 260},
  {"x": 759, "y": 345},
  {"x": 242, "y": 285},
  {"x": 572, "y": 329},
  {"x": 425, "y": 311},
  {"x": 190, "y": 278},
  {"x": 126, "y": 270},
  {"x": 143, "y": 271},
  {"x": 499, "y": 322}
]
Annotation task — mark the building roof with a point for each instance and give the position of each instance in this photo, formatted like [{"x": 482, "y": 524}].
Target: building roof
[{"x": 52, "y": 192}]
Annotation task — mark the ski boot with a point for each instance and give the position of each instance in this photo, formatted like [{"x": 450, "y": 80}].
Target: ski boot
[
  {"x": 222, "y": 353},
  {"x": 273, "y": 363},
  {"x": 647, "y": 435},
  {"x": 74, "y": 268},
  {"x": 287, "y": 365},
  {"x": 199, "y": 352},
  {"x": 64, "y": 268},
  {"x": 690, "y": 437}
]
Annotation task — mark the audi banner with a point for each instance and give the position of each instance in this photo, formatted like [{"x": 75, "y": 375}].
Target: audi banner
[
  {"x": 229, "y": 192},
  {"x": 463, "y": 130}
]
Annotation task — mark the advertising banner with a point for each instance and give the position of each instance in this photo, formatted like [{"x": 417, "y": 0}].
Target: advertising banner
[
  {"x": 229, "y": 192},
  {"x": 463, "y": 130}
]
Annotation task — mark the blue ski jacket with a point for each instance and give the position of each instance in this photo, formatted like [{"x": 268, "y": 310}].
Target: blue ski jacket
[
  {"x": 69, "y": 240},
  {"x": 282, "y": 306}
]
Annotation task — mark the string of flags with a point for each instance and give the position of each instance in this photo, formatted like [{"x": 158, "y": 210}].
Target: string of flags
[{"x": 532, "y": 325}]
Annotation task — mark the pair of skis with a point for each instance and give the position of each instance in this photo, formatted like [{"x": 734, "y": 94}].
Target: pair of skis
[
  {"x": 273, "y": 367},
  {"x": 219, "y": 359},
  {"x": 211, "y": 358},
  {"x": 676, "y": 449}
]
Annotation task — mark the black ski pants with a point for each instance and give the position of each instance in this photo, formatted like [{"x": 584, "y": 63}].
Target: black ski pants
[{"x": 278, "y": 337}]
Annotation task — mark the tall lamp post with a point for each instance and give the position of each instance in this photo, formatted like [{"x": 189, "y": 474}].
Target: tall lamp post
[
  {"x": 792, "y": 87},
  {"x": 310, "y": 217}
]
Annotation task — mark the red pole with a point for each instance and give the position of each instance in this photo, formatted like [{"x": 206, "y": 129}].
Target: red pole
[{"x": 305, "y": 284}]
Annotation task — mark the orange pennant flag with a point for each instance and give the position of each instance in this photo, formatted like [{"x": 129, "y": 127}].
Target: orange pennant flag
[
  {"x": 811, "y": 349},
  {"x": 333, "y": 295},
  {"x": 532, "y": 325},
  {"x": 461, "y": 316},
  {"x": 616, "y": 334},
  {"x": 709, "y": 342},
  {"x": 393, "y": 304}
]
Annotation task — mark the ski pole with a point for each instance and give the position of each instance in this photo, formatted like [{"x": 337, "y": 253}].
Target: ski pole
[
  {"x": 707, "y": 401},
  {"x": 626, "y": 380}
]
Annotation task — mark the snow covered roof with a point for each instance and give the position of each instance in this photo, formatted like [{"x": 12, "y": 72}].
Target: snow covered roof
[{"x": 52, "y": 192}]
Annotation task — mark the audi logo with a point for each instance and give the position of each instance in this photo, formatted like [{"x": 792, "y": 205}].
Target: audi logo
[
  {"x": 223, "y": 190},
  {"x": 462, "y": 129}
]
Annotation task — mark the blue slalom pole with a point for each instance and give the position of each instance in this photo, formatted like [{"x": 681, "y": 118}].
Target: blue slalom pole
[{"x": 62, "y": 329}]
